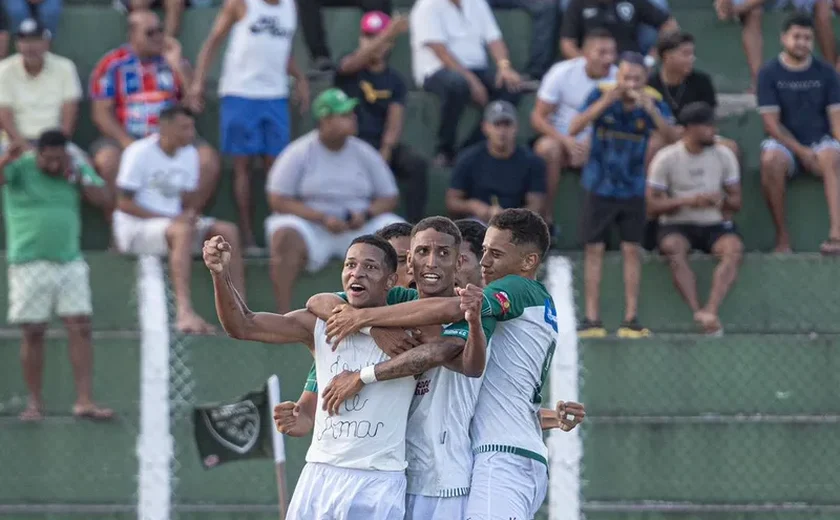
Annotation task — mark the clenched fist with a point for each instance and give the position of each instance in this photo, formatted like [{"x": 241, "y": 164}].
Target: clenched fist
[
  {"x": 289, "y": 420},
  {"x": 216, "y": 254}
]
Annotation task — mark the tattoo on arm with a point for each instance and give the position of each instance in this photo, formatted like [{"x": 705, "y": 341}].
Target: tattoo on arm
[{"x": 418, "y": 360}]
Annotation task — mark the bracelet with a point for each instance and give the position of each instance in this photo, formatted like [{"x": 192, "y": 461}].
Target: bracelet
[
  {"x": 365, "y": 330},
  {"x": 368, "y": 374}
]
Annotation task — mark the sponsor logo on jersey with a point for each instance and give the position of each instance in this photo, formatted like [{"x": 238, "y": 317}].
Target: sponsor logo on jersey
[
  {"x": 422, "y": 387},
  {"x": 504, "y": 301}
]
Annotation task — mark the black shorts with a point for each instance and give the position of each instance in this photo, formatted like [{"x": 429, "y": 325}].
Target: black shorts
[
  {"x": 599, "y": 214},
  {"x": 700, "y": 238}
]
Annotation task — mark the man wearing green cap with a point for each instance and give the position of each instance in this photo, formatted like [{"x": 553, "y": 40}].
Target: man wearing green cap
[{"x": 325, "y": 189}]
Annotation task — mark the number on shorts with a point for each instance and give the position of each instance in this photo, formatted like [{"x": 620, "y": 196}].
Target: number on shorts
[{"x": 549, "y": 355}]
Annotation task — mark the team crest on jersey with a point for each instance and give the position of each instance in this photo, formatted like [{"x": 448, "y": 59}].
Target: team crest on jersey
[{"x": 504, "y": 301}]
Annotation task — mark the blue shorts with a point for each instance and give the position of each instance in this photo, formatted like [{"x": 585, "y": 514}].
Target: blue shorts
[{"x": 254, "y": 126}]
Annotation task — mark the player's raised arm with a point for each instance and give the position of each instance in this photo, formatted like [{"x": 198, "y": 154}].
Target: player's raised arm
[
  {"x": 473, "y": 359},
  {"x": 235, "y": 316}
]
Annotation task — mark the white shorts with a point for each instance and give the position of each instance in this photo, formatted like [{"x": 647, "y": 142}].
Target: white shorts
[
  {"x": 326, "y": 492},
  {"x": 36, "y": 289},
  {"x": 419, "y": 507},
  {"x": 321, "y": 245},
  {"x": 147, "y": 236},
  {"x": 506, "y": 486},
  {"x": 826, "y": 143}
]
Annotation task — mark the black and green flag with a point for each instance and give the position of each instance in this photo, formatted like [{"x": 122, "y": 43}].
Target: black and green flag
[{"x": 234, "y": 430}]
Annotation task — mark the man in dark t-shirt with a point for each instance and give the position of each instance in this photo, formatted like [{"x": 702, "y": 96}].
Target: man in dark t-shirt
[
  {"x": 496, "y": 174},
  {"x": 364, "y": 74},
  {"x": 799, "y": 103},
  {"x": 622, "y": 18}
]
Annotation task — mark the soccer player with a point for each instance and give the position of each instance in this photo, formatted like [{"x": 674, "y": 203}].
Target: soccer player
[
  {"x": 472, "y": 240},
  {"x": 438, "y": 445},
  {"x": 355, "y": 464},
  {"x": 510, "y": 474}
]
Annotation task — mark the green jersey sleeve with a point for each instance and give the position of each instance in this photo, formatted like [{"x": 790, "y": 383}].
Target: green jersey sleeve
[
  {"x": 462, "y": 329},
  {"x": 508, "y": 297},
  {"x": 11, "y": 173},
  {"x": 395, "y": 295},
  {"x": 89, "y": 176},
  {"x": 311, "y": 384}
]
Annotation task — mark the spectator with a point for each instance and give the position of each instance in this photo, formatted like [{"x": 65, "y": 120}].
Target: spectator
[
  {"x": 625, "y": 19},
  {"x": 691, "y": 182},
  {"x": 562, "y": 91},
  {"x": 545, "y": 30},
  {"x": 325, "y": 189},
  {"x": 679, "y": 83},
  {"x": 365, "y": 75},
  {"x": 496, "y": 174},
  {"x": 173, "y": 11},
  {"x": 623, "y": 116},
  {"x": 398, "y": 235},
  {"x": 158, "y": 209},
  {"x": 312, "y": 23},
  {"x": 749, "y": 12},
  {"x": 254, "y": 89},
  {"x": 4, "y": 33},
  {"x": 45, "y": 12},
  {"x": 42, "y": 210},
  {"x": 799, "y": 102},
  {"x": 449, "y": 60},
  {"x": 130, "y": 86},
  {"x": 38, "y": 90},
  {"x": 472, "y": 249}
]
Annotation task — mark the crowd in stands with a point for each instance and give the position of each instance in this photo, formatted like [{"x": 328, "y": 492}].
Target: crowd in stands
[{"x": 618, "y": 99}]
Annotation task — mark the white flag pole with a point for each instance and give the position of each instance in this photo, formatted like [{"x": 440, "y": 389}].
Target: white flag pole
[{"x": 279, "y": 447}]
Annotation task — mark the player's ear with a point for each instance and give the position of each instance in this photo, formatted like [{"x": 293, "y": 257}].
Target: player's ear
[
  {"x": 530, "y": 261},
  {"x": 392, "y": 281},
  {"x": 460, "y": 261},
  {"x": 409, "y": 265}
]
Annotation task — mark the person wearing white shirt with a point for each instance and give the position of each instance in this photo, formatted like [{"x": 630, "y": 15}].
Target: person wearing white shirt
[
  {"x": 449, "y": 59},
  {"x": 157, "y": 208},
  {"x": 562, "y": 92}
]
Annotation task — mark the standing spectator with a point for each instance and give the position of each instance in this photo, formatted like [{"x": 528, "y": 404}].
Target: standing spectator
[
  {"x": 749, "y": 13},
  {"x": 380, "y": 91},
  {"x": 158, "y": 209},
  {"x": 325, "y": 189},
  {"x": 799, "y": 102},
  {"x": 562, "y": 91},
  {"x": 472, "y": 249},
  {"x": 545, "y": 30},
  {"x": 497, "y": 174},
  {"x": 623, "y": 18},
  {"x": 130, "y": 86},
  {"x": 312, "y": 23},
  {"x": 42, "y": 210},
  {"x": 254, "y": 89},
  {"x": 623, "y": 116},
  {"x": 691, "y": 182},
  {"x": 45, "y": 12},
  {"x": 448, "y": 39}
]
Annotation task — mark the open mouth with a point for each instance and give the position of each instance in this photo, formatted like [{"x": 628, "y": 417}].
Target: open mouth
[
  {"x": 431, "y": 278},
  {"x": 356, "y": 289}
]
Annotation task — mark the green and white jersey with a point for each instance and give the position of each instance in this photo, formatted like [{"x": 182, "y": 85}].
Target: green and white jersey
[{"x": 520, "y": 351}]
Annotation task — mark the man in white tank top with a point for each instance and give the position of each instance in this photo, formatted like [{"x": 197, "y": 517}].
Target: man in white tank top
[
  {"x": 356, "y": 463},
  {"x": 253, "y": 88}
]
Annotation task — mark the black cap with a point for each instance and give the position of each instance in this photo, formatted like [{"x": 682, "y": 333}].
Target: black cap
[
  {"x": 32, "y": 28},
  {"x": 498, "y": 111},
  {"x": 697, "y": 113}
]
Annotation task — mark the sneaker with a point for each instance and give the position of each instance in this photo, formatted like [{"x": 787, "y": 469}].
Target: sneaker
[
  {"x": 632, "y": 330},
  {"x": 591, "y": 329}
]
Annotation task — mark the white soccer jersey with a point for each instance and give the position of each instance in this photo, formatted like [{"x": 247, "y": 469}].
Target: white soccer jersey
[
  {"x": 507, "y": 412},
  {"x": 369, "y": 432}
]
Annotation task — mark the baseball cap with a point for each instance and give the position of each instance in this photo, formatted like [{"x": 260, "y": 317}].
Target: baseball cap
[
  {"x": 697, "y": 113},
  {"x": 374, "y": 22},
  {"x": 499, "y": 111},
  {"x": 332, "y": 102},
  {"x": 32, "y": 28}
]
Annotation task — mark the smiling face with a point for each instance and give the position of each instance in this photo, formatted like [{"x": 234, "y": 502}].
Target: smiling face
[
  {"x": 501, "y": 256},
  {"x": 435, "y": 258},
  {"x": 401, "y": 246},
  {"x": 470, "y": 270},
  {"x": 366, "y": 277}
]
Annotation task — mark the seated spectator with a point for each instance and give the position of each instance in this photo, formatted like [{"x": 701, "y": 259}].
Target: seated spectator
[
  {"x": 545, "y": 30},
  {"x": 39, "y": 90},
  {"x": 130, "y": 86},
  {"x": 325, "y": 189},
  {"x": 690, "y": 184},
  {"x": 45, "y": 12},
  {"x": 562, "y": 91},
  {"x": 42, "y": 210},
  {"x": 366, "y": 76},
  {"x": 158, "y": 209},
  {"x": 624, "y": 19},
  {"x": 497, "y": 174},
  {"x": 799, "y": 102},
  {"x": 312, "y": 24},
  {"x": 173, "y": 11},
  {"x": 449, "y": 59},
  {"x": 680, "y": 83},
  {"x": 472, "y": 249},
  {"x": 623, "y": 116},
  {"x": 749, "y": 12},
  {"x": 398, "y": 235}
]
